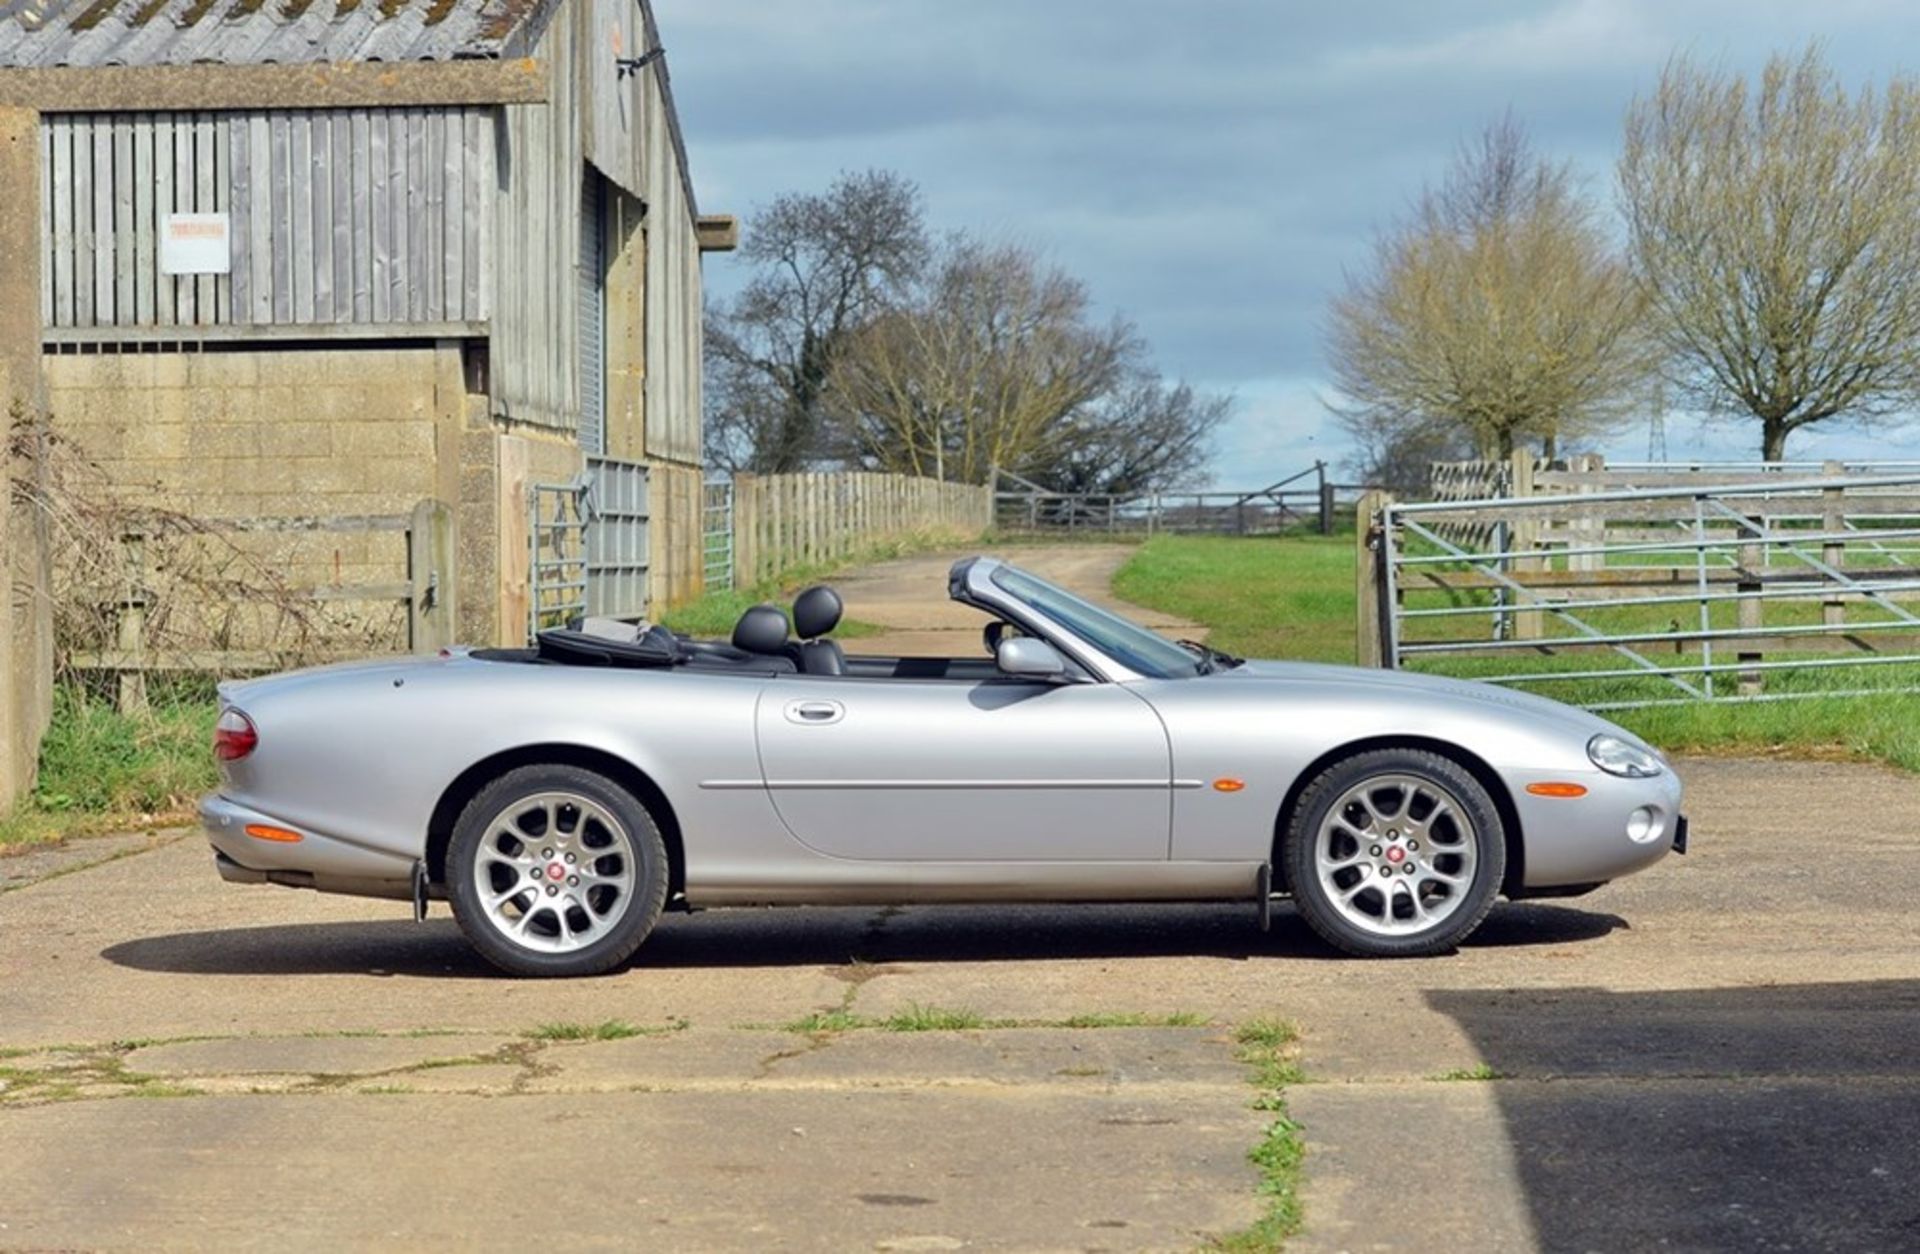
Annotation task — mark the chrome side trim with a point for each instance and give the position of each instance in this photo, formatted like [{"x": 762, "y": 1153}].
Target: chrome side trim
[
  {"x": 814, "y": 785},
  {"x": 723, "y": 785}
]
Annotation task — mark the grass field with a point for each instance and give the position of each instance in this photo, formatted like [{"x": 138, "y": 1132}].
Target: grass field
[
  {"x": 1294, "y": 598},
  {"x": 101, "y": 770}
]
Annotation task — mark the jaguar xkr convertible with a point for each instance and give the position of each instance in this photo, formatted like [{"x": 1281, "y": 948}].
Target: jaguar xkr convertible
[{"x": 561, "y": 797}]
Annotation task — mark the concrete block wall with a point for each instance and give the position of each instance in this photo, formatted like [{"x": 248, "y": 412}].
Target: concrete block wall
[
  {"x": 318, "y": 432},
  {"x": 255, "y": 433},
  {"x": 26, "y": 627},
  {"x": 266, "y": 433},
  {"x": 498, "y": 469},
  {"x": 677, "y": 505}
]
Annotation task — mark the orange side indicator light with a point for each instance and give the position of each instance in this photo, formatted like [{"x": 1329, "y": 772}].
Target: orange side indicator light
[
  {"x": 279, "y": 835},
  {"x": 1227, "y": 784},
  {"x": 1556, "y": 789}
]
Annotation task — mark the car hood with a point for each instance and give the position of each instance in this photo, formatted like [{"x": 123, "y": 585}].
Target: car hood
[{"x": 1374, "y": 681}]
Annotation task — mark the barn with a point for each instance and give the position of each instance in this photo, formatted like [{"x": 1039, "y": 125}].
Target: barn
[{"x": 399, "y": 288}]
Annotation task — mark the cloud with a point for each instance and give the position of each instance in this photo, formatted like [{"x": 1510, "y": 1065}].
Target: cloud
[
  {"x": 1208, "y": 168},
  {"x": 1577, "y": 35}
]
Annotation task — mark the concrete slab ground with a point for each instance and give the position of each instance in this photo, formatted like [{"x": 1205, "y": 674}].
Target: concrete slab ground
[
  {"x": 873, "y": 1155},
  {"x": 1614, "y": 1164},
  {"x": 38, "y": 862},
  {"x": 1720, "y": 1053}
]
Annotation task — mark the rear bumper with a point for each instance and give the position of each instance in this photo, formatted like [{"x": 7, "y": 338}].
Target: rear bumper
[{"x": 314, "y": 861}]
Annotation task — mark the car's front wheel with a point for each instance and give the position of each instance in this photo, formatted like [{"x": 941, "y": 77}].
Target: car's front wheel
[
  {"x": 556, "y": 871},
  {"x": 1395, "y": 853}
]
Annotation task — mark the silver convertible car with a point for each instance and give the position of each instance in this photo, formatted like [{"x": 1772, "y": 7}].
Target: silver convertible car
[{"x": 561, "y": 797}]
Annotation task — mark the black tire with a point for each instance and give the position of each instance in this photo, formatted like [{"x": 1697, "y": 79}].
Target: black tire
[
  {"x": 1326, "y": 916},
  {"x": 622, "y": 936}
]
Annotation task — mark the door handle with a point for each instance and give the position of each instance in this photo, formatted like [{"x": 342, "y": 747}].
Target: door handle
[{"x": 815, "y": 712}]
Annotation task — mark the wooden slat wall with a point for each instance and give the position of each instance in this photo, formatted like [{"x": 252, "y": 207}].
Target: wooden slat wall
[
  {"x": 351, "y": 216},
  {"x": 613, "y": 99},
  {"x": 534, "y": 361},
  {"x": 673, "y": 296}
]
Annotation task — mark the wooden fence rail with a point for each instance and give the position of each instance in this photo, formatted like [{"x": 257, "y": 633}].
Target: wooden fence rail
[
  {"x": 787, "y": 520},
  {"x": 426, "y": 536}
]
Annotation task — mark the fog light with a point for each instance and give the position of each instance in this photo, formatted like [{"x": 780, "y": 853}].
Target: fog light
[{"x": 1644, "y": 825}]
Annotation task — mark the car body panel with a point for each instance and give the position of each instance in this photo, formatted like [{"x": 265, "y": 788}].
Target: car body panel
[
  {"x": 929, "y": 770},
  {"x": 1099, "y": 787},
  {"x": 1308, "y": 713}
]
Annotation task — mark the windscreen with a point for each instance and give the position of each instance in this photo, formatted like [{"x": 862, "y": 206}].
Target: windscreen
[{"x": 1132, "y": 646}]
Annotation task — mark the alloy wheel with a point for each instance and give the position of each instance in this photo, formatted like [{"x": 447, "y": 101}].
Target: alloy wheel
[
  {"x": 554, "y": 872},
  {"x": 1396, "y": 854}
]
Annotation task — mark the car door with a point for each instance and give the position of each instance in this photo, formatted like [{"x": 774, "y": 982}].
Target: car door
[{"x": 938, "y": 770}]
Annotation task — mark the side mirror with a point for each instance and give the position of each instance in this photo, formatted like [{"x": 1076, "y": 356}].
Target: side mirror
[{"x": 1025, "y": 657}]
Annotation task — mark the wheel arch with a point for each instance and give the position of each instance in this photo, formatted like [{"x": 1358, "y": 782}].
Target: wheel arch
[
  {"x": 1475, "y": 765},
  {"x": 467, "y": 785}
]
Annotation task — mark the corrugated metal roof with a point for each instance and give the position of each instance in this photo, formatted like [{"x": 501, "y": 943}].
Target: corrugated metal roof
[{"x": 260, "y": 32}]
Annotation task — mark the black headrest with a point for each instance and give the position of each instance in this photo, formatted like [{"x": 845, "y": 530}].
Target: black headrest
[
  {"x": 762, "y": 629},
  {"x": 816, "y": 612}
]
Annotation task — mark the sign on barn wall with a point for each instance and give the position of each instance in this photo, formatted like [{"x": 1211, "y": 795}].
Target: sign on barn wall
[{"x": 195, "y": 243}]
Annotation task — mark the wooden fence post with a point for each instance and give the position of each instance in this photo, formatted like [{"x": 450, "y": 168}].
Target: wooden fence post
[
  {"x": 744, "y": 545},
  {"x": 430, "y": 565},
  {"x": 1752, "y": 559},
  {"x": 1833, "y": 521},
  {"x": 1589, "y": 530},
  {"x": 131, "y": 627},
  {"x": 1524, "y": 536},
  {"x": 781, "y": 547},
  {"x": 1368, "y": 556}
]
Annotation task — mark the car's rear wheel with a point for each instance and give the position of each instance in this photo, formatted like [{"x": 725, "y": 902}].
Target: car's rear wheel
[
  {"x": 555, "y": 870},
  {"x": 1395, "y": 853}
]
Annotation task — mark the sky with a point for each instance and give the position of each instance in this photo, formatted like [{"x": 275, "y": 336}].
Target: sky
[{"x": 1209, "y": 167}]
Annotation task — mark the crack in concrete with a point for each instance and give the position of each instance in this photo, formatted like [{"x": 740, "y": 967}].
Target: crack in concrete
[{"x": 155, "y": 840}]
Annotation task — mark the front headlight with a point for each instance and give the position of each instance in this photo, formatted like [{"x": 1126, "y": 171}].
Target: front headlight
[{"x": 1616, "y": 757}]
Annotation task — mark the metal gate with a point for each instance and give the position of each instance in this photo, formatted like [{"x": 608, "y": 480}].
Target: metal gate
[
  {"x": 716, "y": 534},
  {"x": 1772, "y": 590},
  {"x": 590, "y": 542},
  {"x": 618, "y": 539},
  {"x": 1305, "y": 501},
  {"x": 557, "y": 532}
]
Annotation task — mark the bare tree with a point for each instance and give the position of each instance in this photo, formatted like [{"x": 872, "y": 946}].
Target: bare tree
[
  {"x": 1146, "y": 435},
  {"x": 1496, "y": 309},
  {"x": 827, "y": 265},
  {"x": 1776, "y": 233},
  {"x": 1395, "y": 452},
  {"x": 986, "y": 367}
]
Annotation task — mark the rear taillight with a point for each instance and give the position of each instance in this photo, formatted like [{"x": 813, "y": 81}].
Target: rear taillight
[{"x": 234, "y": 736}]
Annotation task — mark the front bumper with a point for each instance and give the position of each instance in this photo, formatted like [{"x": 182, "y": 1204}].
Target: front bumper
[
  {"x": 1584, "y": 840},
  {"x": 314, "y": 861}
]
